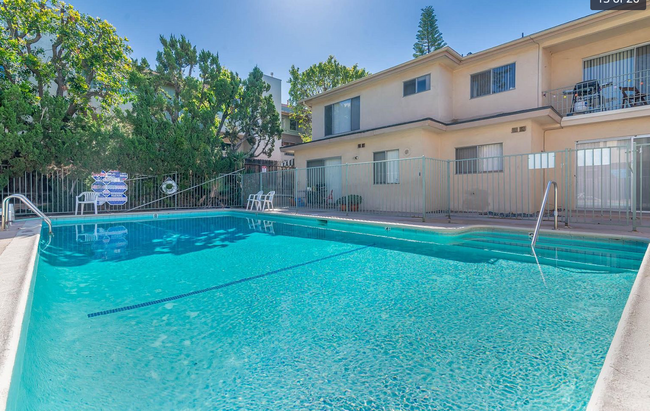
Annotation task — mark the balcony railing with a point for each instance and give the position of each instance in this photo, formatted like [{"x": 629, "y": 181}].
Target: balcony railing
[{"x": 592, "y": 96}]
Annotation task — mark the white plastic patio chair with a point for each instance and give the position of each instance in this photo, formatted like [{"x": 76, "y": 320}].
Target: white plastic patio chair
[
  {"x": 87, "y": 197},
  {"x": 268, "y": 201},
  {"x": 255, "y": 200}
]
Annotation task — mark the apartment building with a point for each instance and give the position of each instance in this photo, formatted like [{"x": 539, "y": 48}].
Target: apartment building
[{"x": 584, "y": 83}]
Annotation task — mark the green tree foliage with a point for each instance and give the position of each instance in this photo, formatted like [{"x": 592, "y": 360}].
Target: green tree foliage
[
  {"x": 64, "y": 75},
  {"x": 429, "y": 37},
  {"x": 316, "y": 79},
  {"x": 184, "y": 110},
  {"x": 58, "y": 68},
  {"x": 51, "y": 48},
  {"x": 254, "y": 125}
]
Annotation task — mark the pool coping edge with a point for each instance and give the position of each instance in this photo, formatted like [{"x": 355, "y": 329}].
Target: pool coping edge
[
  {"x": 429, "y": 228},
  {"x": 624, "y": 380},
  {"x": 20, "y": 270}
]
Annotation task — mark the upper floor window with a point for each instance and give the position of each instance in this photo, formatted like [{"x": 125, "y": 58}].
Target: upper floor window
[
  {"x": 417, "y": 85},
  {"x": 622, "y": 77},
  {"x": 343, "y": 116},
  {"x": 620, "y": 63},
  {"x": 479, "y": 159},
  {"x": 293, "y": 125},
  {"x": 493, "y": 81}
]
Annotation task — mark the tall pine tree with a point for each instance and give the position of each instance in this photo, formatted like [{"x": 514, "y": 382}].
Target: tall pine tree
[{"x": 429, "y": 37}]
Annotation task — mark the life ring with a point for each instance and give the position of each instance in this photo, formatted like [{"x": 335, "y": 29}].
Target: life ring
[{"x": 169, "y": 186}]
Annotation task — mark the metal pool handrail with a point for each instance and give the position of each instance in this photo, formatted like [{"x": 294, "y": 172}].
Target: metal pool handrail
[
  {"x": 25, "y": 200},
  {"x": 541, "y": 212}
]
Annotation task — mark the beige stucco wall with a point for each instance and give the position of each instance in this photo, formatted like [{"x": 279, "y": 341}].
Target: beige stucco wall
[
  {"x": 524, "y": 96},
  {"x": 567, "y": 137},
  {"x": 419, "y": 142},
  {"x": 566, "y": 65},
  {"x": 478, "y": 192},
  {"x": 382, "y": 102}
]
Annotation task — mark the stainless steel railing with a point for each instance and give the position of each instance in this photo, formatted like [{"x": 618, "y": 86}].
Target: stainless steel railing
[
  {"x": 533, "y": 241},
  {"x": 25, "y": 200}
]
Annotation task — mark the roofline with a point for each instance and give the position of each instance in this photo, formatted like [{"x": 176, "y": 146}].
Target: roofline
[
  {"x": 443, "y": 126},
  {"x": 445, "y": 52},
  {"x": 454, "y": 55}
]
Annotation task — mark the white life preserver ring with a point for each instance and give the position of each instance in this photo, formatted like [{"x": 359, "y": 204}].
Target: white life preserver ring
[{"x": 169, "y": 186}]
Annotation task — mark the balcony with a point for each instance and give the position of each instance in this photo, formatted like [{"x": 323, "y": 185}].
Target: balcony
[{"x": 606, "y": 94}]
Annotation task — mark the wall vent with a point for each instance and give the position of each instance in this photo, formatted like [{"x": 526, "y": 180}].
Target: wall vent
[
  {"x": 515, "y": 130},
  {"x": 522, "y": 129}
]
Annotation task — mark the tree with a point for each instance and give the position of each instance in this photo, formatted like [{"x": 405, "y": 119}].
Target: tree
[
  {"x": 191, "y": 109},
  {"x": 255, "y": 122},
  {"x": 317, "y": 79},
  {"x": 178, "y": 113},
  {"x": 61, "y": 72},
  {"x": 429, "y": 37},
  {"x": 50, "y": 48}
]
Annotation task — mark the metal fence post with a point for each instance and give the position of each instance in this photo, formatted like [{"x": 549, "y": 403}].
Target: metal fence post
[
  {"x": 424, "y": 189},
  {"x": 633, "y": 182},
  {"x": 347, "y": 199},
  {"x": 176, "y": 197},
  {"x": 567, "y": 185},
  {"x": 449, "y": 190},
  {"x": 295, "y": 188},
  {"x": 241, "y": 185}
]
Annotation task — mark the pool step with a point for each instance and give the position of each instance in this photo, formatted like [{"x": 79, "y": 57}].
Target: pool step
[
  {"x": 631, "y": 251},
  {"x": 550, "y": 251}
]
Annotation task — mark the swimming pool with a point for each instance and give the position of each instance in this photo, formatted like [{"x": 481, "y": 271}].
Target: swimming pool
[{"x": 221, "y": 311}]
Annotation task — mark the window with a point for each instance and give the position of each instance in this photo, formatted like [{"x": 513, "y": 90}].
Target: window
[
  {"x": 293, "y": 125},
  {"x": 386, "y": 167},
  {"x": 479, "y": 159},
  {"x": 623, "y": 69},
  {"x": 417, "y": 85},
  {"x": 493, "y": 81},
  {"x": 343, "y": 116}
]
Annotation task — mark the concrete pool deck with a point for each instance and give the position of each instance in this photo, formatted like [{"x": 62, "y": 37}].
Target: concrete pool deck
[
  {"x": 18, "y": 249},
  {"x": 624, "y": 380}
]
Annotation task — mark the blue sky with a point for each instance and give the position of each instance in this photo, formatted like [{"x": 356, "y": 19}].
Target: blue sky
[{"x": 274, "y": 34}]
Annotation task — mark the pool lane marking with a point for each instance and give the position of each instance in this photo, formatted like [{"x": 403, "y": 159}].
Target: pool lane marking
[{"x": 217, "y": 287}]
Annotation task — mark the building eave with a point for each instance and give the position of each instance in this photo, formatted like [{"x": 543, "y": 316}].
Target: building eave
[{"x": 547, "y": 116}]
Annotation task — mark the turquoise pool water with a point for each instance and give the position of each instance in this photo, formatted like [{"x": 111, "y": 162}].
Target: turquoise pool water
[{"x": 230, "y": 313}]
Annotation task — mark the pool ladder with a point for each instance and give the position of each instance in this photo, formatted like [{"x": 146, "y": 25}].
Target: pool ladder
[
  {"x": 535, "y": 233},
  {"x": 25, "y": 200}
]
